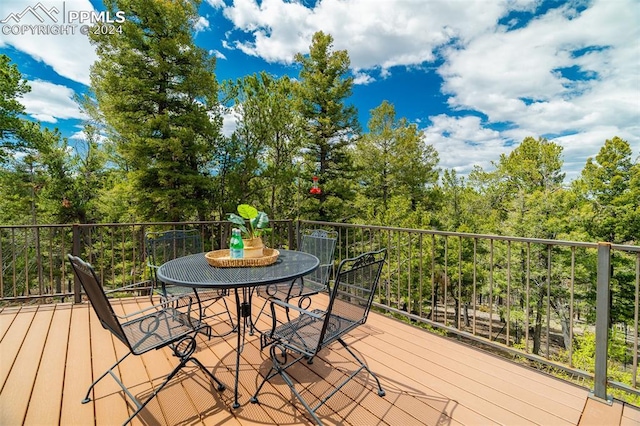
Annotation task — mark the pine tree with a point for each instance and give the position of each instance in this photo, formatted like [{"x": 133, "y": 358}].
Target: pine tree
[
  {"x": 330, "y": 126},
  {"x": 606, "y": 183},
  {"x": 259, "y": 167},
  {"x": 158, "y": 94},
  {"x": 395, "y": 163},
  {"x": 12, "y": 87}
]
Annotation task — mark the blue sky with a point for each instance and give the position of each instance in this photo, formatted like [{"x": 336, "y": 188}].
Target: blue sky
[{"x": 476, "y": 76}]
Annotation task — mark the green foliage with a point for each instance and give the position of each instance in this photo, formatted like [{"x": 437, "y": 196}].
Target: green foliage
[
  {"x": 158, "y": 94},
  {"x": 610, "y": 187},
  {"x": 258, "y": 163},
  {"x": 393, "y": 164},
  {"x": 12, "y": 87},
  {"x": 329, "y": 126},
  {"x": 258, "y": 221}
]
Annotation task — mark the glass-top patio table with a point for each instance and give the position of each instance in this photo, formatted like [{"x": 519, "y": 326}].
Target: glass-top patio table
[{"x": 194, "y": 271}]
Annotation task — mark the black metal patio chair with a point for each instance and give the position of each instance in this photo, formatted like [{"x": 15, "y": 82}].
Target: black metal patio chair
[
  {"x": 151, "y": 328},
  {"x": 306, "y": 335},
  {"x": 163, "y": 246},
  {"x": 322, "y": 244}
]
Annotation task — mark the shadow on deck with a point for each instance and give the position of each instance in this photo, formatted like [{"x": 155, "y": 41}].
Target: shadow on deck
[{"x": 49, "y": 355}]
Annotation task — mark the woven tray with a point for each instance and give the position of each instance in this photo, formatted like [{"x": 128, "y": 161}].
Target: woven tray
[{"x": 221, "y": 259}]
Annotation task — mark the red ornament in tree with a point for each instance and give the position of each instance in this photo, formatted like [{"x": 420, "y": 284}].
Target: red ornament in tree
[{"x": 315, "y": 189}]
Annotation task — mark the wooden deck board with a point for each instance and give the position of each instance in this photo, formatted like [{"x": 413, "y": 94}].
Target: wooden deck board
[
  {"x": 110, "y": 400},
  {"x": 22, "y": 376},
  {"x": 50, "y": 354},
  {"x": 12, "y": 341},
  {"x": 515, "y": 397},
  {"x": 46, "y": 397},
  {"x": 78, "y": 371},
  {"x": 598, "y": 414},
  {"x": 630, "y": 416}
]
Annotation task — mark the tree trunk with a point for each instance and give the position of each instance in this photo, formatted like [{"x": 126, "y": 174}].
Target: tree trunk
[
  {"x": 537, "y": 331},
  {"x": 465, "y": 313}
]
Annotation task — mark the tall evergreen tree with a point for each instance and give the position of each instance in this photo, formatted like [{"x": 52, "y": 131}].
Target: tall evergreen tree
[
  {"x": 330, "y": 125},
  {"x": 259, "y": 167},
  {"x": 158, "y": 94},
  {"x": 12, "y": 87},
  {"x": 526, "y": 185},
  {"x": 397, "y": 165},
  {"x": 606, "y": 184},
  {"x": 610, "y": 190}
]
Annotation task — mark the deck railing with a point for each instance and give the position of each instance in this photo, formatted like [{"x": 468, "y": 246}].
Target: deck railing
[{"x": 529, "y": 297}]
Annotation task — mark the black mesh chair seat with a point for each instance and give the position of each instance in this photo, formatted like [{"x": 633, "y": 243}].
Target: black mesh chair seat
[
  {"x": 320, "y": 243},
  {"x": 168, "y": 245},
  {"x": 157, "y": 329},
  {"x": 311, "y": 331},
  {"x": 169, "y": 324},
  {"x": 303, "y": 333}
]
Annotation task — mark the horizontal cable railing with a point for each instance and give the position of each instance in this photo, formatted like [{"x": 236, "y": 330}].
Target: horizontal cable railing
[{"x": 550, "y": 302}]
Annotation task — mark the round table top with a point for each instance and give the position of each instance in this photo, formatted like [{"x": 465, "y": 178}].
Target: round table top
[{"x": 195, "y": 271}]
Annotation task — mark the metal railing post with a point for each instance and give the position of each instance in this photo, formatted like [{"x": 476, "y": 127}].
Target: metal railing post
[
  {"x": 294, "y": 234},
  {"x": 602, "y": 323},
  {"x": 75, "y": 250}
]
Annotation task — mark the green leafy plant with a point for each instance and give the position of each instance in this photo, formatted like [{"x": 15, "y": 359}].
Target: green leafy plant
[{"x": 258, "y": 221}]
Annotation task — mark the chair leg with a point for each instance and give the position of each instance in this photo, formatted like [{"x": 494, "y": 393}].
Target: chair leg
[
  {"x": 184, "y": 355},
  {"x": 234, "y": 327},
  {"x": 381, "y": 391},
  {"x": 291, "y": 385},
  {"x": 182, "y": 363},
  {"x": 279, "y": 368},
  {"x": 109, "y": 371},
  {"x": 158, "y": 389},
  {"x": 197, "y": 362}
]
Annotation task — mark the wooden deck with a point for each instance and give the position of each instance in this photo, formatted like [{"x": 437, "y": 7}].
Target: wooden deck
[{"x": 49, "y": 355}]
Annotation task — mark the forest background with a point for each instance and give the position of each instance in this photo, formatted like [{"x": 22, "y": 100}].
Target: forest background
[{"x": 155, "y": 151}]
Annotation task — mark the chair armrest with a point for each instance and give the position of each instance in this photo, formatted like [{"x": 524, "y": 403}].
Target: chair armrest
[
  {"x": 294, "y": 307},
  {"x": 183, "y": 300}
]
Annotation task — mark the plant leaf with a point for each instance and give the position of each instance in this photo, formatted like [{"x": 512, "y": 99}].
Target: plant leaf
[
  {"x": 247, "y": 211},
  {"x": 260, "y": 221},
  {"x": 237, "y": 220}
]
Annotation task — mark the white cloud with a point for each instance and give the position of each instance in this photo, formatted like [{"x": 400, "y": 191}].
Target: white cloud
[
  {"x": 515, "y": 77},
  {"x": 229, "y": 122},
  {"x": 391, "y": 33},
  {"x": 462, "y": 142},
  {"x": 275, "y": 26},
  {"x": 568, "y": 75},
  {"x": 217, "y": 54},
  {"x": 50, "y": 102},
  {"x": 80, "y": 135},
  {"x": 70, "y": 55},
  {"x": 201, "y": 24},
  {"x": 216, "y": 4},
  {"x": 362, "y": 78}
]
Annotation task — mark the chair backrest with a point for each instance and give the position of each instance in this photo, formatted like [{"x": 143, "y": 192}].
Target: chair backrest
[
  {"x": 321, "y": 244},
  {"x": 352, "y": 294},
  {"x": 103, "y": 309},
  {"x": 163, "y": 246}
]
